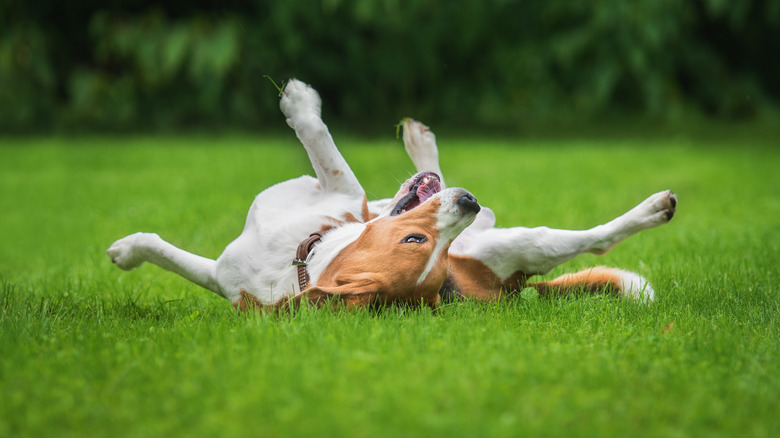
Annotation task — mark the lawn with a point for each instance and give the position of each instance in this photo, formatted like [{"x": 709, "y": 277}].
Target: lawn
[{"x": 89, "y": 350}]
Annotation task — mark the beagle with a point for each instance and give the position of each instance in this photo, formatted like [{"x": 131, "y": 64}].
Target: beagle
[{"x": 320, "y": 240}]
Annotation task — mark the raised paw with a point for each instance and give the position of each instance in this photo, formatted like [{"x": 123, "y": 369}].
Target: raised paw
[
  {"x": 127, "y": 252},
  {"x": 420, "y": 144},
  {"x": 663, "y": 204},
  {"x": 418, "y": 139},
  {"x": 299, "y": 102},
  {"x": 656, "y": 210}
]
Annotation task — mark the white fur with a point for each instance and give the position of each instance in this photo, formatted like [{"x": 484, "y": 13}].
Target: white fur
[
  {"x": 451, "y": 222},
  {"x": 634, "y": 286},
  {"x": 538, "y": 250},
  {"x": 331, "y": 245}
]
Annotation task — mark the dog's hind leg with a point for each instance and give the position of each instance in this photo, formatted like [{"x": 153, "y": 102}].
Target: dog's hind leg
[
  {"x": 132, "y": 251},
  {"x": 301, "y": 104},
  {"x": 489, "y": 259},
  {"x": 420, "y": 144}
]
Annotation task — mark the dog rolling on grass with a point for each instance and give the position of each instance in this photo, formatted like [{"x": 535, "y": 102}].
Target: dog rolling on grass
[{"x": 320, "y": 239}]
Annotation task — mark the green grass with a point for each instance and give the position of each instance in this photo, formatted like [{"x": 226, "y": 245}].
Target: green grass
[{"x": 88, "y": 350}]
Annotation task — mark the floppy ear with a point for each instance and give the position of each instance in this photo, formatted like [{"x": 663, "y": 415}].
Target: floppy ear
[{"x": 359, "y": 290}]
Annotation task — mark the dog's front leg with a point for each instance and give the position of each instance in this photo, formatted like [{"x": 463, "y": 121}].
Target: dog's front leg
[
  {"x": 420, "y": 144},
  {"x": 301, "y": 104},
  {"x": 132, "y": 251}
]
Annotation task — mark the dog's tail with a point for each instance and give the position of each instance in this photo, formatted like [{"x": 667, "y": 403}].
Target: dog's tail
[{"x": 625, "y": 284}]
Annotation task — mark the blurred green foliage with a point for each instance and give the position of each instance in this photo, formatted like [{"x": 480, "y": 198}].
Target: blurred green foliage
[{"x": 122, "y": 64}]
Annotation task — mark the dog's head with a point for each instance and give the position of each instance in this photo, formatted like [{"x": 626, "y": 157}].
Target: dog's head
[{"x": 399, "y": 257}]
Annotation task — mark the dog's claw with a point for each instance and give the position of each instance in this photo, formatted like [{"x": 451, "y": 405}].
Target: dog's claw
[{"x": 673, "y": 209}]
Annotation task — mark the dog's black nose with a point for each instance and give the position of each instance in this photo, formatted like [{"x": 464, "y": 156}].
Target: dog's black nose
[{"x": 469, "y": 202}]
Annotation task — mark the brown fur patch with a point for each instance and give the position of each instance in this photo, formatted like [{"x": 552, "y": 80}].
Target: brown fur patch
[
  {"x": 327, "y": 227},
  {"x": 336, "y": 222},
  {"x": 346, "y": 218},
  {"x": 592, "y": 281},
  {"x": 349, "y": 217},
  {"x": 367, "y": 216},
  {"x": 247, "y": 302},
  {"x": 474, "y": 279},
  {"x": 379, "y": 268}
]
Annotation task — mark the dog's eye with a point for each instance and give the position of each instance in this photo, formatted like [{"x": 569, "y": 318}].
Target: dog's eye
[{"x": 414, "y": 238}]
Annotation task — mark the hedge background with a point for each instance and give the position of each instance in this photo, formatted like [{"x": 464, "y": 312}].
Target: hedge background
[{"x": 139, "y": 64}]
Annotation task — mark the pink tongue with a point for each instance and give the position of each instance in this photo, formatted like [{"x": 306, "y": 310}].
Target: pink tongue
[{"x": 429, "y": 187}]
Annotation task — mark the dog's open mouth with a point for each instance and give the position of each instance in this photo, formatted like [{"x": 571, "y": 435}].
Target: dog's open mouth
[{"x": 423, "y": 186}]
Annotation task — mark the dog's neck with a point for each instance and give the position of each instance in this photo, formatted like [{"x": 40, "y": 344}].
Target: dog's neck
[
  {"x": 302, "y": 258},
  {"x": 330, "y": 245}
]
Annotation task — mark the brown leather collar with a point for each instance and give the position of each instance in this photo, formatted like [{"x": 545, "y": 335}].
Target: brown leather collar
[{"x": 301, "y": 256}]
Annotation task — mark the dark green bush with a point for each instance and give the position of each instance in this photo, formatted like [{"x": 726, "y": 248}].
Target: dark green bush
[{"x": 122, "y": 64}]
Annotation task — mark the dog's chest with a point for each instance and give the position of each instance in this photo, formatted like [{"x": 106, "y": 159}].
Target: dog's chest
[{"x": 259, "y": 261}]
